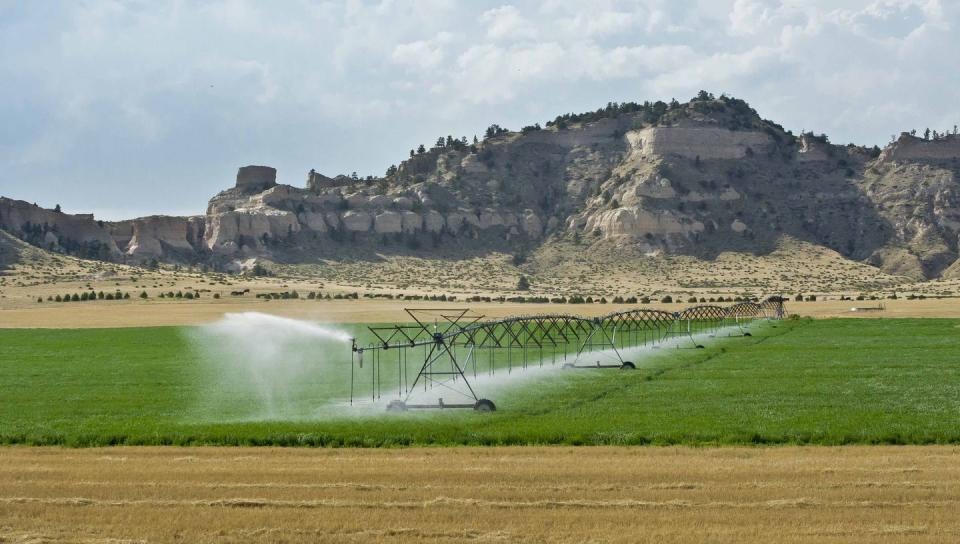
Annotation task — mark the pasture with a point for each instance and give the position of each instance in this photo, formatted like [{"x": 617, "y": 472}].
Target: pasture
[{"x": 831, "y": 381}]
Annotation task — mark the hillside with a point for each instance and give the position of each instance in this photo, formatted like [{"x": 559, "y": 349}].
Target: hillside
[{"x": 629, "y": 181}]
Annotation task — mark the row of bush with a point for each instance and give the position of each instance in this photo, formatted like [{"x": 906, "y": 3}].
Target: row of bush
[
  {"x": 286, "y": 295},
  {"x": 87, "y": 296},
  {"x": 893, "y": 296},
  {"x": 577, "y": 299},
  {"x": 189, "y": 295},
  {"x": 573, "y": 299},
  {"x": 118, "y": 295}
]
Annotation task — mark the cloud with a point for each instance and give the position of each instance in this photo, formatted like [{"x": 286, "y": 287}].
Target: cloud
[
  {"x": 494, "y": 74},
  {"x": 748, "y": 17},
  {"x": 105, "y": 90},
  {"x": 507, "y": 23},
  {"x": 423, "y": 55}
]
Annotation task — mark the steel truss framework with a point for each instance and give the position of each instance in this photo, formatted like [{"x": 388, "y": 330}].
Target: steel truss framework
[{"x": 445, "y": 348}]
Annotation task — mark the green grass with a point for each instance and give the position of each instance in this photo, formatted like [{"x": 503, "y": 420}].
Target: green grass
[{"x": 842, "y": 381}]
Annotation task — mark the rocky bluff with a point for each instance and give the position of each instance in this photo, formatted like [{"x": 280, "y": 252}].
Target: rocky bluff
[{"x": 698, "y": 178}]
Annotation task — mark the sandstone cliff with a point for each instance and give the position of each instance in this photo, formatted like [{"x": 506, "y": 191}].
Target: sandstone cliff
[{"x": 697, "y": 178}]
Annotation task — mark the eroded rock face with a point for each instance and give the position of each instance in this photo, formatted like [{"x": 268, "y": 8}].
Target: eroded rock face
[
  {"x": 912, "y": 148},
  {"x": 412, "y": 222},
  {"x": 357, "y": 221},
  {"x": 532, "y": 224},
  {"x": 317, "y": 182},
  {"x": 637, "y": 222},
  {"x": 687, "y": 179},
  {"x": 254, "y": 179},
  {"x": 231, "y": 231},
  {"x": 707, "y": 143},
  {"x": 54, "y": 230},
  {"x": 315, "y": 221},
  {"x": 433, "y": 221},
  {"x": 156, "y": 236},
  {"x": 920, "y": 202},
  {"x": 388, "y": 223},
  {"x": 812, "y": 150},
  {"x": 135, "y": 240},
  {"x": 357, "y": 200}
]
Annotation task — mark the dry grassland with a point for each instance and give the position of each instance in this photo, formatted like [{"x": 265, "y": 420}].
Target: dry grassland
[
  {"x": 138, "y": 313},
  {"x": 796, "y": 267},
  {"x": 788, "y": 494}
]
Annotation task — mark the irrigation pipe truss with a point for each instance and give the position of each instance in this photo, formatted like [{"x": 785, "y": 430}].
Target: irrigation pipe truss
[{"x": 446, "y": 350}]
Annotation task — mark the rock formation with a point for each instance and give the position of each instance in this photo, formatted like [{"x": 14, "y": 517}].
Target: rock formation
[
  {"x": 253, "y": 179},
  {"x": 79, "y": 234},
  {"x": 692, "y": 142},
  {"x": 697, "y": 178},
  {"x": 912, "y": 148}
]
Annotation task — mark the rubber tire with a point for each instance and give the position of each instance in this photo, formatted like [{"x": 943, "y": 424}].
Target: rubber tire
[
  {"x": 484, "y": 405},
  {"x": 568, "y": 366},
  {"x": 397, "y": 406},
  {"x": 699, "y": 346},
  {"x": 627, "y": 365},
  {"x": 747, "y": 334}
]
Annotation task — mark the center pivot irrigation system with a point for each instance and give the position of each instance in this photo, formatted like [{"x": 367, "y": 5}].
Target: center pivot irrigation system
[{"x": 444, "y": 349}]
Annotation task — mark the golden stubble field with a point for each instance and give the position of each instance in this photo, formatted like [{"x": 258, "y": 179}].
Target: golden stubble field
[
  {"x": 532, "y": 494},
  {"x": 138, "y": 313}
]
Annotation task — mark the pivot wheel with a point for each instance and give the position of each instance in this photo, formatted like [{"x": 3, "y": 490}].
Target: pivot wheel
[
  {"x": 397, "y": 406},
  {"x": 484, "y": 405},
  {"x": 747, "y": 334},
  {"x": 627, "y": 365}
]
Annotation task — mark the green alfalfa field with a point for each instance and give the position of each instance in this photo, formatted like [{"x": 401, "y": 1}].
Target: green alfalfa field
[{"x": 800, "y": 381}]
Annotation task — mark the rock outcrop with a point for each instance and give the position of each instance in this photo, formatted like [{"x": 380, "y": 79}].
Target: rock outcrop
[
  {"x": 912, "y": 148},
  {"x": 157, "y": 237},
  {"x": 253, "y": 179},
  {"x": 707, "y": 143},
  {"x": 813, "y": 149},
  {"x": 317, "y": 182},
  {"x": 49, "y": 229},
  {"x": 637, "y": 222},
  {"x": 698, "y": 178}
]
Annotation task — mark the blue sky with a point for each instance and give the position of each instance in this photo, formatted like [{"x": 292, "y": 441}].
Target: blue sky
[{"x": 128, "y": 108}]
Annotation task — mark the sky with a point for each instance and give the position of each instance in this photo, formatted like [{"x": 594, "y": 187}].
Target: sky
[{"x": 131, "y": 108}]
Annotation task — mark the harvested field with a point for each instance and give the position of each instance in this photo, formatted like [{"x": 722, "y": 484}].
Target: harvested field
[
  {"x": 785, "y": 494},
  {"x": 137, "y": 313}
]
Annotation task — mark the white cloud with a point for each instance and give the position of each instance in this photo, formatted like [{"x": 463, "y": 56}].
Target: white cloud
[
  {"x": 494, "y": 74},
  {"x": 752, "y": 16},
  {"x": 422, "y": 54},
  {"x": 602, "y": 23},
  {"x": 190, "y": 91},
  {"x": 507, "y": 23}
]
